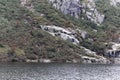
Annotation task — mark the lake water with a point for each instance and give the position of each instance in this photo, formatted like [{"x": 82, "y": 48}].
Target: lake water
[{"x": 58, "y": 71}]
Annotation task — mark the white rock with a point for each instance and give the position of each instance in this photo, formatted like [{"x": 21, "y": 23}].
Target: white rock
[
  {"x": 116, "y": 46},
  {"x": 45, "y": 60},
  {"x": 33, "y": 61},
  {"x": 88, "y": 51},
  {"x": 63, "y": 33},
  {"x": 83, "y": 33},
  {"x": 114, "y": 2},
  {"x": 101, "y": 60}
]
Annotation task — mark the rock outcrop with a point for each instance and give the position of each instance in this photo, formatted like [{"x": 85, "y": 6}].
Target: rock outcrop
[
  {"x": 91, "y": 57},
  {"x": 114, "y": 53},
  {"x": 115, "y": 2},
  {"x": 95, "y": 59},
  {"x": 63, "y": 33},
  {"x": 77, "y": 9}
]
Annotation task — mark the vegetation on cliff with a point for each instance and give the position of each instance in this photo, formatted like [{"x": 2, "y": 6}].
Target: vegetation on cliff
[{"x": 21, "y": 37}]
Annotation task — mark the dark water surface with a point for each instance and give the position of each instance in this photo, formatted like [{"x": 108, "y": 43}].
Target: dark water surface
[{"x": 58, "y": 71}]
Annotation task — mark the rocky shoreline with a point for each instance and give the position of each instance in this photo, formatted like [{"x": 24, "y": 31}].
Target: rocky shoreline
[{"x": 81, "y": 61}]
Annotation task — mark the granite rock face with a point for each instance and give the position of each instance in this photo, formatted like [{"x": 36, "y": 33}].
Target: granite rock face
[
  {"x": 77, "y": 9},
  {"x": 65, "y": 34},
  {"x": 115, "y": 2}
]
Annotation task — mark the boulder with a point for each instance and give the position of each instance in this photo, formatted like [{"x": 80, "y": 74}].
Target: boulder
[
  {"x": 45, "y": 60},
  {"x": 32, "y": 61}
]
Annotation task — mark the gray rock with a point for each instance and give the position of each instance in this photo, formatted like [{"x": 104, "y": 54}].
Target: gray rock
[
  {"x": 114, "y": 2},
  {"x": 45, "y": 60},
  {"x": 97, "y": 60},
  {"x": 63, "y": 33},
  {"x": 76, "y": 8},
  {"x": 32, "y": 61}
]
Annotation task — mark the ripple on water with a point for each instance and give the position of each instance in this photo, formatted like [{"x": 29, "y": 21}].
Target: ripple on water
[{"x": 57, "y": 71}]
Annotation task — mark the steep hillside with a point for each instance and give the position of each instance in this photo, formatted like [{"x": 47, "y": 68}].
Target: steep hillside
[
  {"x": 22, "y": 39},
  {"x": 112, "y": 16},
  {"x": 103, "y": 13},
  {"x": 55, "y": 30}
]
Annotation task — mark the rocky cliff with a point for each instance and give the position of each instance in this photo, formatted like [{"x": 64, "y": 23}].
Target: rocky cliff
[{"x": 78, "y": 8}]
